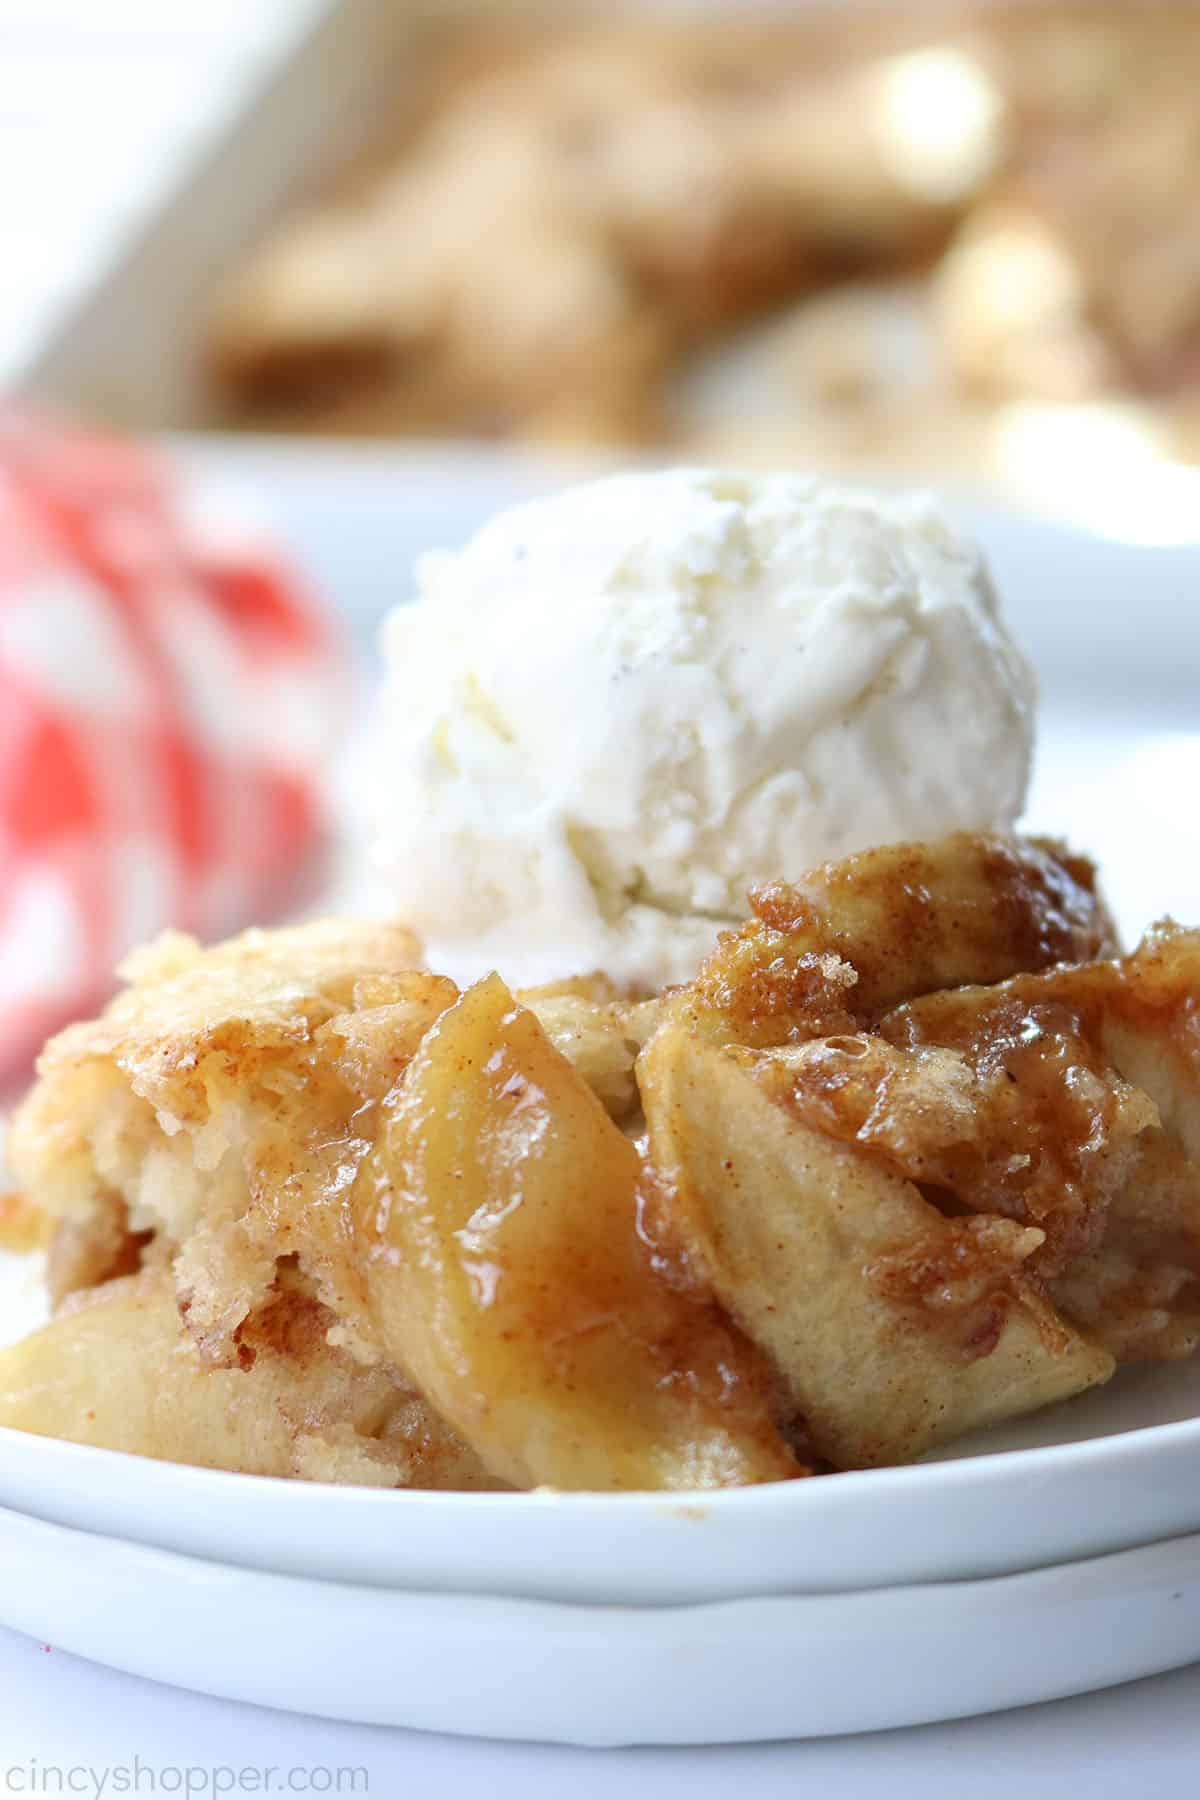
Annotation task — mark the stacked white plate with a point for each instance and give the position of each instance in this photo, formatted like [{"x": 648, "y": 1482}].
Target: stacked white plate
[
  {"x": 847, "y": 1603},
  {"x": 1060, "y": 1555}
]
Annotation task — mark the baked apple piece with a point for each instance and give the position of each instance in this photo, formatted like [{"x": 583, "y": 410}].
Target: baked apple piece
[
  {"x": 894, "y": 1327},
  {"x": 1020, "y": 1117},
  {"x": 513, "y": 1270},
  {"x": 599, "y": 1032},
  {"x": 1102, "y": 1067},
  {"x": 1138, "y": 1290},
  {"x": 116, "y": 1369},
  {"x": 214, "y": 1114},
  {"x": 849, "y": 940}
]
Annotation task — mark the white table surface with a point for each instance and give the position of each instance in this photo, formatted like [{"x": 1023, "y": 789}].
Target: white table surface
[{"x": 59, "y": 1713}]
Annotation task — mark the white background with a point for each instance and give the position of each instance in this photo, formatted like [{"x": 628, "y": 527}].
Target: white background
[
  {"x": 1139, "y": 1741},
  {"x": 103, "y": 105}
]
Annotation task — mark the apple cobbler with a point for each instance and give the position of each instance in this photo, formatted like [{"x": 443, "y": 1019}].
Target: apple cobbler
[
  {"x": 917, "y": 1150},
  {"x": 899, "y": 239}
]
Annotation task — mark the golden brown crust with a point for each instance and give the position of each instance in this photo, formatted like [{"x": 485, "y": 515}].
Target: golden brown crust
[
  {"x": 968, "y": 908},
  {"x": 1023, "y": 1119},
  {"x": 855, "y": 938},
  {"x": 1102, "y": 1063},
  {"x": 214, "y": 1101},
  {"x": 254, "y": 992}
]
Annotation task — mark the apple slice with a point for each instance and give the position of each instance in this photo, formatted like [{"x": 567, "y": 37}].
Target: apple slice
[
  {"x": 893, "y": 1327},
  {"x": 513, "y": 1273}
]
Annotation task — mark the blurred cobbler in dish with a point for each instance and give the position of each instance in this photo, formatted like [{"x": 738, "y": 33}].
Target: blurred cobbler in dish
[{"x": 890, "y": 236}]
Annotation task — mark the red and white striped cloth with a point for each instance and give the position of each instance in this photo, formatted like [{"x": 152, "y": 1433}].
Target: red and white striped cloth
[{"x": 168, "y": 701}]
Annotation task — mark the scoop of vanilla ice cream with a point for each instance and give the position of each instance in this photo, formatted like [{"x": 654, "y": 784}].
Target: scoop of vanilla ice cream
[{"x": 616, "y": 710}]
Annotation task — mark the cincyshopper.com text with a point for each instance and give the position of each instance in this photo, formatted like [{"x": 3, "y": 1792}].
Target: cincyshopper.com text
[{"x": 190, "y": 1780}]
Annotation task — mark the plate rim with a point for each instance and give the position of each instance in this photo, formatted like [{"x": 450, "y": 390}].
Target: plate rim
[
  {"x": 957, "y": 1472},
  {"x": 592, "y": 1674},
  {"x": 214, "y": 1568}
]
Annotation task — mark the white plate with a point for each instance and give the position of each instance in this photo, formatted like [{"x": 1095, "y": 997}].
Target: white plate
[
  {"x": 980, "y": 1515},
  {"x": 740, "y": 1671}
]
